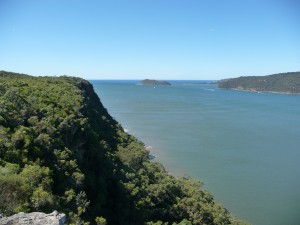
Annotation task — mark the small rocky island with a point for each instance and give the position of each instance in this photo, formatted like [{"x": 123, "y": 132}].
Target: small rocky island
[
  {"x": 153, "y": 82},
  {"x": 288, "y": 83}
]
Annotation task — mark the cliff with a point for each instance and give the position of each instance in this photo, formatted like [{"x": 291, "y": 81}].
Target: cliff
[
  {"x": 281, "y": 83},
  {"x": 61, "y": 150}
]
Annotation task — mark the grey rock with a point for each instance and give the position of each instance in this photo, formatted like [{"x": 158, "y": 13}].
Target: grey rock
[{"x": 34, "y": 218}]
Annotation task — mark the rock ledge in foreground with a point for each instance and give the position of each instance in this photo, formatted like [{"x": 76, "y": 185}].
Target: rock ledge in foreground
[{"x": 34, "y": 218}]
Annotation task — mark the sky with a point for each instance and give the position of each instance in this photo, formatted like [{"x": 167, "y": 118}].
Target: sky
[{"x": 155, "y": 39}]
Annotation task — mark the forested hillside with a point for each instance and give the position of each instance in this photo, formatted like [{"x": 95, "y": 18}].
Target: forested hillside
[
  {"x": 61, "y": 150},
  {"x": 282, "y": 82}
]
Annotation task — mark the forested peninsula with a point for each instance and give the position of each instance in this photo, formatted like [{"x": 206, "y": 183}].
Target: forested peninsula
[
  {"x": 61, "y": 150},
  {"x": 282, "y": 83}
]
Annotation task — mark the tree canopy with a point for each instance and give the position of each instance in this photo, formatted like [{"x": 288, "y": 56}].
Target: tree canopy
[
  {"x": 281, "y": 82},
  {"x": 61, "y": 150}
]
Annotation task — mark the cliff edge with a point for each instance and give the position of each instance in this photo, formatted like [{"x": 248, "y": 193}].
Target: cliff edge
[{"x": 61, "y": 150}]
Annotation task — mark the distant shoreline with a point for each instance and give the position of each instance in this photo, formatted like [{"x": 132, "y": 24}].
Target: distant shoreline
[
  {"x": 255, "y": 91},
  {"x": 281, "y": 83}
]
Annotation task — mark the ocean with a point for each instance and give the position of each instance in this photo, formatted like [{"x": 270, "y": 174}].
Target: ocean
[{"x": 244, "y": 146}]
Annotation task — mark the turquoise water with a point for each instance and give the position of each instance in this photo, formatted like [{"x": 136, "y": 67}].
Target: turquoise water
[{"x": 244, "y": 146}]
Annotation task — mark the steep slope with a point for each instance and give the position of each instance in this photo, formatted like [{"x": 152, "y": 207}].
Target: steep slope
[
  {"x": 61, "y": 150},
  {"x": 282, "y": 83}
]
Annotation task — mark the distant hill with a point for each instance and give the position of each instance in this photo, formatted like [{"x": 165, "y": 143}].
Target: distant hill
[
  {"x": 281, "y": 83},
  {"x": 154, "y": 82}
]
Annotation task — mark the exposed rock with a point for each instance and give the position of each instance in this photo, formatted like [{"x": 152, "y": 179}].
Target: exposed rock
[{"x": 34, "y": 218}]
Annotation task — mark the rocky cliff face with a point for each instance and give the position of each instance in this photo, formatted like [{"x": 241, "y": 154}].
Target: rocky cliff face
[{"x": 34, "y": 218}]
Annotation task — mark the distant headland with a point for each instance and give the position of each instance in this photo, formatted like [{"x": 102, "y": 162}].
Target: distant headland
[
  {"x": 288, "y": 83},
  {"x": 153, "y": 82}
]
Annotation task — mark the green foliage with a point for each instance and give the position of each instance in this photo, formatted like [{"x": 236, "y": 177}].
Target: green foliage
[
  {"x": 10, "y": 193},
  {"x": 282, "y": 82},
  {"x": 27, "y": 190},
  {"x": 100, "y": 221},
  {"x": 183, "y": 222},
  {"x": 61, "y": 150},
  {"x": 156, "y": 223}
]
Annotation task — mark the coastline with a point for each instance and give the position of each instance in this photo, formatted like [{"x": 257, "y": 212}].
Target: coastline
[
  {"x": 259, "y": 92},
  {"x": 211, "y": 166}
]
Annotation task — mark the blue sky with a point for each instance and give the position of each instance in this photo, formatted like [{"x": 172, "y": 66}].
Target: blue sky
[{"x": 159, "y": 39}]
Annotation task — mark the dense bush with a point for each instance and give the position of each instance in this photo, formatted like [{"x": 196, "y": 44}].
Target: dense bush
[{"x": 61, "y": 150}]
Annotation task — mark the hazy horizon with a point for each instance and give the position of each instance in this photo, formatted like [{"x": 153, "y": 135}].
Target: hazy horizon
[
  {"x": 141, "y": 78},
  {"x": 166, "y": 40}
]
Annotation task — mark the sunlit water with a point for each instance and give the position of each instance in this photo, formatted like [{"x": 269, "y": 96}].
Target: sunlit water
[{"x": 244, "y": 146}]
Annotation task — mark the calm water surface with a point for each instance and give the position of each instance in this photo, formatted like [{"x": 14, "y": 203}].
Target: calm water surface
[{"x": 244, "y": 146}]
